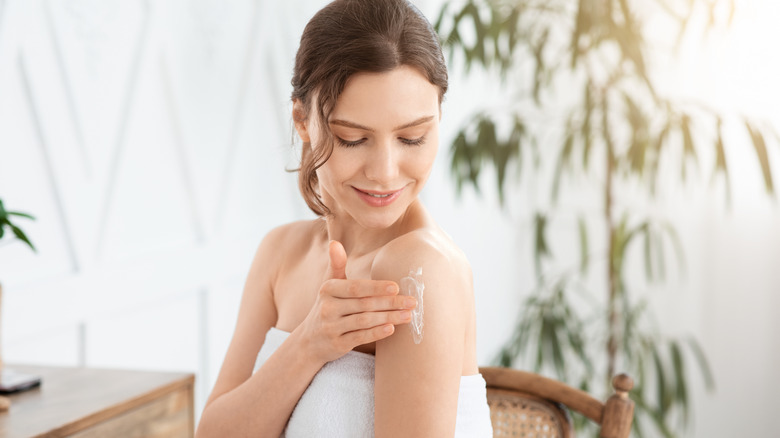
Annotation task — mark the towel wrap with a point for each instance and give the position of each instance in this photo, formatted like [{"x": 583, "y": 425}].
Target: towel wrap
[{"x": 339, "y": 401}]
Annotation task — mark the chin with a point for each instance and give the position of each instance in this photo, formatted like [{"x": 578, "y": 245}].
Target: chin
[{"x": 378, "y": 221}]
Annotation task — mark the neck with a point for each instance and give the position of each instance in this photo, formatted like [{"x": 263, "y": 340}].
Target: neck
[{"x": 359, "y": 240}]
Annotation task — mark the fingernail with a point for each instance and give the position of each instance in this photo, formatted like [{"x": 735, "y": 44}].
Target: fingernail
[
  {"x": 410, "y": 302},
  {"x": 391, "y": 289},
  {"x": 406, "y": 314},
  {"x": 388, "y": 329}
]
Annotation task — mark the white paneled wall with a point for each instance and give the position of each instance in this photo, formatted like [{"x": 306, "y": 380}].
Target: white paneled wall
[{"x": 150, "y": 139}]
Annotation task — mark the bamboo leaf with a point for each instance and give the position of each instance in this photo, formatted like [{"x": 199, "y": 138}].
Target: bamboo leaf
[
  {"x": 585, "y": 130},
  {"x": 437, "y": 24},
  {"x": 541, "y": 250},
  {"x": 563, "y": 162},
  {"x": 720, "y": 159},
  {"x": 515, "y": 142},
  {"x": 664, "y": 399},
  {"x": 689, "y": 151},
  {"x": 677, "y": 245},
  {"x": 758, "y": 143},
  {"x": 660, "y": 254},
  {"x": 584, "y": 259},
  {"x": 659, "y": 144},
  {"x": 579, "y": 28},
  {"x": 648, "y": 255},
  {"x": 461, "y": 160},
  {"x": 557, "y": 352},
  {"x": 681, "y": 389},
  {"x": 704, "y": 365},
  {"x": 538, "y": 50}
]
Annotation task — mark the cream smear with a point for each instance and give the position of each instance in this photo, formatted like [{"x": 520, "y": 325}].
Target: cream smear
[{"x": 413, "y": 286}]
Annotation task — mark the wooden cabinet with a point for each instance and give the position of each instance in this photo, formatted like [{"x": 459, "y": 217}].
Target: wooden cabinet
[{"x": 84, "y": 402}]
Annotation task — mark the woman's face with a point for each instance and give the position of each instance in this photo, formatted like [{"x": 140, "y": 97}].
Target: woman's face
[{"x": 385, "y": 129}]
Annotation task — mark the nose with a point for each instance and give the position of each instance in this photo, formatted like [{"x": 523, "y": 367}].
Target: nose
[{"x": 382, "y": 163}]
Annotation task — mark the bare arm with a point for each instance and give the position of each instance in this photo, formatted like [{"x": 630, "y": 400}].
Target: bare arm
[
  {"x": 243, "y": 404},
  {"x": 416, "y": 387},
  {"x": 259, "y": 404}
]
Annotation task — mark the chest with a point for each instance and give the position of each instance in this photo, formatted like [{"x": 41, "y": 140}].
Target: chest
[{"x": 298, "y": 285}]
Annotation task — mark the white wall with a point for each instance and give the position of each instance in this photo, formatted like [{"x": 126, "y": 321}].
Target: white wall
[{"x": 150, "y": 140}]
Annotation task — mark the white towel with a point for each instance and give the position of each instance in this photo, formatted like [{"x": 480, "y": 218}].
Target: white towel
[{"x": 339, "y": 401}]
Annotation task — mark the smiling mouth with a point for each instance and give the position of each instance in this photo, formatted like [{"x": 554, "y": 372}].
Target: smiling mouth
[{"x": 377, "y": 198}]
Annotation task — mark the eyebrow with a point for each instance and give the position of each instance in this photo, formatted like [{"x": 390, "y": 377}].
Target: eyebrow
[{"x": 349, "y": 124}]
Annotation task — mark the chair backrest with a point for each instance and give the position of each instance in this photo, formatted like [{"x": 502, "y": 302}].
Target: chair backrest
[{"x": 529, "y": 405}]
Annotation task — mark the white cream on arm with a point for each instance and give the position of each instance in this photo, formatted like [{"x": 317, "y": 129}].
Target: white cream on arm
[{"x": 413, "y": 286}]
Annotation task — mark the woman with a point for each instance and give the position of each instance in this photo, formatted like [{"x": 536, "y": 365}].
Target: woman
[{"x": 321, "y": 302}]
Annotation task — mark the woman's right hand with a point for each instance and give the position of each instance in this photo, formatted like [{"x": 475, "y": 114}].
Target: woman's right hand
[{"x": 348, "y": 313}]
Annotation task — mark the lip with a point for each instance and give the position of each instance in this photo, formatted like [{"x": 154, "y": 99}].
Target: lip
[{"x": 373, "y": 201}]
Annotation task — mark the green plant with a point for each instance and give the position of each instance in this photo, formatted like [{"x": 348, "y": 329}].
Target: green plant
[
  {"x": 619, "y": 132},
  {"x": 5, "y": 222}
]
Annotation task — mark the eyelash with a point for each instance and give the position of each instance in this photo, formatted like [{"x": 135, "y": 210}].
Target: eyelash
[{"x": 406, "y": 141}]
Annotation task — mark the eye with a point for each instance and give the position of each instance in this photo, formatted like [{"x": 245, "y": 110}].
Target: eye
[
  {"x": 412, "y": 141},
  {"x": 350, "y": 144}
]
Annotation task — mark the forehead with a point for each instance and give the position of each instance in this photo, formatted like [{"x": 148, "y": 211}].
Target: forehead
[{"x": 379, "y": 100}]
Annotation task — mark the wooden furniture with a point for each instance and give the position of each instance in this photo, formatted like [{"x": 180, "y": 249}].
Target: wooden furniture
[
  {"x": 84, "y": 402},
  {"x": 529, "y": 405}
]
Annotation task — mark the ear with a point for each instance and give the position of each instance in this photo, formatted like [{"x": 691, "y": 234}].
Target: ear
[{"x": 299, "y": 119}]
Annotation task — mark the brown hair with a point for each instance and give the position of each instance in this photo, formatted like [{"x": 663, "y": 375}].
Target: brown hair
[{"x": 347, "y": 37}]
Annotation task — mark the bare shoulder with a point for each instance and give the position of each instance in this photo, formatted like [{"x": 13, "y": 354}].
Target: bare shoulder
[
  {"x": 286, "y": 241},
  {"x": 426, "y": 248},
  {"x": 292, "y": 235},
  {"x": 446, "y": 275}
]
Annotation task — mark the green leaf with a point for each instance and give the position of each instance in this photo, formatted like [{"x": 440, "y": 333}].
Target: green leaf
[
  {"x": 681, "y": 389},
  {"x": 664, "y": 398},
  {"x": 579, "y": 29},
  {"x": 541, "y": 250},
  {"x": 461, "y": 160},
  {"x": 20, "y": 234},
  {"x": 704, "y": 365},
  {"x": 660, "y": 262},
  {"x": 658, "y": 147},
  {"x": 540, "y": 65},
  {"x": 440, "y": 18},
  {"x": 583, "y": 229},
  {"x": 758, "y": 143},
  {"x": 564, "y": 160},
  {"x": 677, "y": 245},
  {"x": 648, "y": 255},
  {"x": 689, "y": 151},
  {"x": 720, "y": 160},
  {"x": 17, "y": 213},
  {"x": 585, "y": 128}
]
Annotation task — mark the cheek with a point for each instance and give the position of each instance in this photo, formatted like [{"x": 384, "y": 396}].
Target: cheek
[
  {"x": 340, "y": 166},
  {"x": 424, "y": 160}
]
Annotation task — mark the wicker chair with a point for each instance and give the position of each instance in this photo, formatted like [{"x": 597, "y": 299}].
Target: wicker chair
[{"x": 528, "y": 405}]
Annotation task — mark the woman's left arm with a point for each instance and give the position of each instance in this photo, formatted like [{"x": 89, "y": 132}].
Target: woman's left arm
[{"x": 416, "y": 385}]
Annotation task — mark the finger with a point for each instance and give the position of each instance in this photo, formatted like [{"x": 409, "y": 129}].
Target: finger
[
  {"x": 337, "y": 260},
  {"x": 366, "y": 320},
  {"x": 360, "y": 288},
  {"x": 368, "y": 336},
  {"x": 377, "y": 304}
]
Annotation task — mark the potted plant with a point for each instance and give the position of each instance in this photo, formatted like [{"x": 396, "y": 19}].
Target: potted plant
[
  {"x": 7, "y": 227},
  {"x": 614, "y": 135}
]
